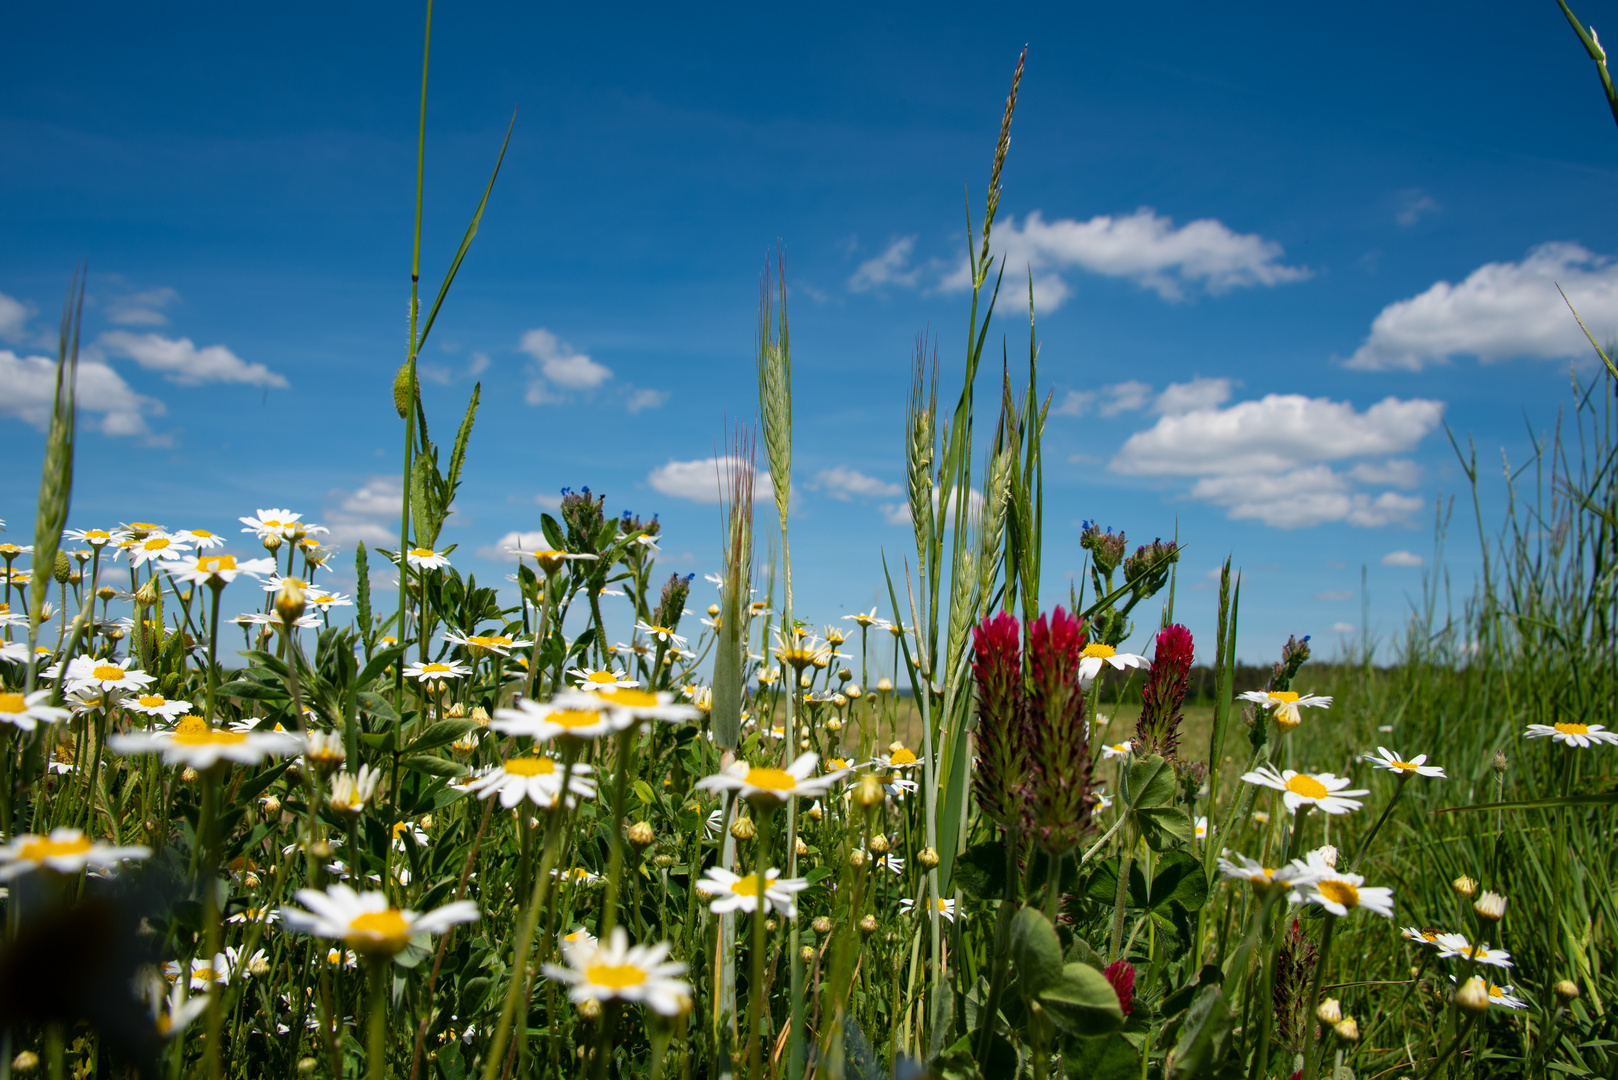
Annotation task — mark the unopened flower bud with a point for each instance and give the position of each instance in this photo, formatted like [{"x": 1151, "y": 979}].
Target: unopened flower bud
[
  {"x": 271, "y": 542},
  {"x": 742, "y": 828},
  {"x": 455, "y": 711},
  {"x": 1473, "y": 996},
  {"x": 188, "y": 775},
  {"x": 1566, "y": 989},
  {"x": 1330, "y": 1011},
  {"x": 250, "y": 879},
  {"x": 271, "y": 806},
  {"x": 147, "y": 594},
  {"x": 662, "y": 860},
  {"x": 928, "y": 857},
  {"x": 770, "y": 926},
  {"x": 834, "y": 725},
  {"x": 306, "y": 1066},
  {"x": 878, "y": 844},
  {"x": 856, "y": 858},
  {"x": 1464, "y": 887},
  {"x": 321, "y": 850},
  {"x": 63, "y": 568},
  {"x": 1328, "y": 855},
  {"x": 258, "y": 967},
  {"x": 822, "y": 926},
  {"x": 803, "y": 848},
  {"x": 713, "y": 611},
  {"x": 25, "y": 1062},
  {"x": 868, "y": 924},
  {"x": 868, "y": 792},
  {"x": 816, "y": 813},
  {"x": 853, "y": 691},
  {"x": 842, "y": 703},
  {"x": 1490, "y": 907},
  {"x": 803, "y": 744},
  {"x": 1347, "y": 1029},
  {"x": 1500, "y": 761},
  {"x": 884, "y": 685},
  {"x": 480, "y": 715},
  {"x": 590, "y": 1009},
  {"x": 641, "y": 835},
  {"x": 844, "y": 674},
  {"x": 289, "y": 602}
]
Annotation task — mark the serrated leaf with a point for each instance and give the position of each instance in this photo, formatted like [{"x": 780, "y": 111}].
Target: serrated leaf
[
  {"x": 1036, "y": 951},
  {"x": 1083, "y": 1002}
]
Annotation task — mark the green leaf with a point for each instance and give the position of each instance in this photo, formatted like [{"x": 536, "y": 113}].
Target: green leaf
[
  {"x": 380, "y": 663},
  {"x": 1179, "y": 877},
  {"x": 1164, "y": 827},
  {"x": 1109, "y": 1057},
  {"x": 1204, "y": 1037},
  {"x": 643, "y": 792},
  {"x": 1150, "y": 783},
  {"x": 981, "y": 870},
  {"x": 250, "y": 788},
  {"x": 1083, "y": 1002},
  {"x": 248, "y": 690},
  {"x": 439, "y": 734},
  {"x": 1605, "y": 798},
  {"x": 432, "y": 766},
  {"x": 1035, "y": 950}
]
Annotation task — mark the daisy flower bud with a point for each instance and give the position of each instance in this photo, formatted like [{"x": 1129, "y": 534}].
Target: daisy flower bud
[
  {"x": 856, "y": 858},
  {"x": 641, "y": 835},
  {"x": 868, "y": 792},
  {"x": 822, "y": 926},
  {"x": 289, "y": 602},
  {"x": 590, "y": 1009},
  {"x": 834, "y": 725},
  {"x": 1329, "y": 1012},
  {"x": 868, "y": 924},
  {"x": 1464, "y": 887},
  {"x": 928, "y": 858},
  {"x": 742, "y": 828},
  {"x": 1473, "y": 996},
  {"x": 1490, "y": 907},
  {"x": 807, "y": 954},
  {"x": 1566, "y": 989},
  {"x": 1347, "y": 1029},
  {"x": 803, "y": 848},
  {"x": 25, "y": 1062},
  {"x": 878, "y": 844},
  {"x": 1500, "y": 761}
]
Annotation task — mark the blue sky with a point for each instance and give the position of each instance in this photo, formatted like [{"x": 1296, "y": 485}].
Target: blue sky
[{"x": 1276, "y": 250}]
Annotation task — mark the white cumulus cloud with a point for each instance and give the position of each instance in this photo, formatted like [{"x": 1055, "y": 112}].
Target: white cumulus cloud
[
  {"x": 1402, "y": 558},
  {"x": 1128, "y": 396},
  {"x": 28, "y": 389},
  {"x": 1267, "y": 460},
  {"x": 13, "y": 318},
  {"x": 559, "y": 365},
  {"x": 181, "y": 361},
  {"x": 1199, "y": 393},
  {"x": 369, "y": 512},
  {"x": 501, "y": 549},
  {"x": 1501, "y": 311},
  {"x": 892, "y": 267},
  {"x": 1144, "y": 247},
  {"x": 842, "y": 482},
  {"x": 703, "y": 480}
]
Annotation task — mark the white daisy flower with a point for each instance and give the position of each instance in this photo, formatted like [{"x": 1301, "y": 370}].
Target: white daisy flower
[
  {"x": 1457, "y": 945},
  {"x": 863, "y": 618},
  {"x": 1201, "y": 829},
  {"x": 1340, "y": 893},
  {"x": 157, "y": 705},
  {"x": 201, "y": 539},
  {"x": 740, "y": 893},
  {"x": 1285, "y": 704},
  {"x": 96, "y": 538},
  {"x": 1502, "y": 996},
  {"x": 435, "y": 670},
  {"x": 620, "y": 971},
  {"x": 86, "y": 672},
  {"x": 634, "y": 703},
  {"x": 1112, "y": 751},
  {"x": 1290, "y": 877},
  {"x": 192, "y": 742},
  {"x": 307, "y": 621},
  {"x": 350, "y": 792},
  {"x": 946, "y": 907},
  {"x": 202, "y": 973},
  {"x": 536, "y": 778},
  {"x": 253, "y": 915},
  {"x": 366, "y": 922},
  {"x": 1303, "y": 789},
  {"x": 173, "y": 1014},
  {"x": 158, "y": 546},
  {"x": 276, "y": 522},
  {"x": 602, "y": 680},
  {"x": 764, "y": 784},
  {"x": 1096, "y": 656},
  {"x": 426, "y": 559},
  {"x": 1103, "y": 801},
  {"x": 477, "y": 644},
  {"x": 543, "y": 721},
  {"x": 714, "y": 822},
  {"x": 889, "y": 862},
  {"x": 24, "y": 711},
  {"x": 346, "y": 958},
  {"x": 1393, "y": 763},
  {"x": 577, "y": 876},
  {"x": 661, "y": 634},
  {"x": 66, "y": 851},
  {"x": 217, "y": 569},
  {"x": 1570, "y": 734}
]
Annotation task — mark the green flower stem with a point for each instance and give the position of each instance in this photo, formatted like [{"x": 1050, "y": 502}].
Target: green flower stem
[
  {"x": 377, "y": 1040},
  {"x": 1312, "y": 1045},
  {"x": 1121, "y": 900},
  {"x": 525, "y": 935},
  {"x": 1365, "y": 845},
  {"x": 1002, "y": 936},
  {"x": 763, "y": 811},
  {"x": 1266, "y": 1003},
  {"x": 620, "y": 796},
  {"x": 1460, "y": 1036},
  {"x": 215, "y": 586},
  {"x": 208, "y": 826}
]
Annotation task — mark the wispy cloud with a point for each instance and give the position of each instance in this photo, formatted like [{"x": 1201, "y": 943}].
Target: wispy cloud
[
  {"x": 144, "y": 308},
  {"x": 181, "y": 361},
  {"x": 1501, "y": 311},
  {"x": 14, "y": 315},
  {"x": 559, "y": 370},
  {"x": 28, "y": 388},
  {"x": 1402, "y": 558},
  {"x": 844, "y": 483},
  {"x": 1414, "y": 204},
  {"x": 701, "y": 480},
  {"x": 892, "y": 267},
  {"x": 370, "y": 512}
]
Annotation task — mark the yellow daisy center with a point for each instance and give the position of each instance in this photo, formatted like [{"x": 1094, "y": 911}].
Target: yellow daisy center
[
  {"x": 206, "y": 737},
  {"x": 191, "y": 724},
  {"x": 434, "y": 669},
  {"x": 1403, "y": 766},
  {"x": 902, "y": 756},
  {"x": 530, "y": 766},
  {"x": 200, "y": 534},
  {"x": 1564, "y": 728},
  {"x": 1098, "y": 651},
  {"x": 630, "y": 698},
  {"x": 389, "y": 926},
  {"x": 1264, "y": 876},
  {"x": 156, "y": 543},
  {"x": 44, "y": 848},
  {"x": 212, "y": 564},
  {"x": 204, "y": 972},
  {"x": 615, "y": 976},
  {"x": 575, "y": 718},
  {"x": 13, "y": 703},
  {"x": 97, "y": 534},
  {"x": 107, "y": 673},
  {"x": 142, "y": 526},
  {"x": 1495, "y": 991},
  {"x": 1307, "y": 786},
  {"x": 1340, "y": 892},
  {"x": 608, "y": 678},
  {"x": 1283, "y": 697},
  {"x": 152, "y": 701},
  {"x": 771, "y": 779},
  {"x": 423, "y": 553},
  {"x": 746, "y": 886}
]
